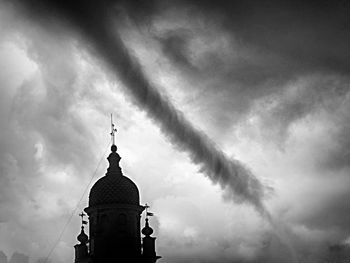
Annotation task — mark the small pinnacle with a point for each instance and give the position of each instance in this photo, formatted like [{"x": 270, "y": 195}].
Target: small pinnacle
[{"x": 114, "y": 148}]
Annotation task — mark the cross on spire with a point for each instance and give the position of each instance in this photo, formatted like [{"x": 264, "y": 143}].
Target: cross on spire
[
  {"x": 113, "y": 130},
  {"x": 148, "y": 213}
]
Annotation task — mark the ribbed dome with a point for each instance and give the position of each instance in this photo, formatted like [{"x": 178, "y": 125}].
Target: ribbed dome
[{"x": 114, "y": 189}]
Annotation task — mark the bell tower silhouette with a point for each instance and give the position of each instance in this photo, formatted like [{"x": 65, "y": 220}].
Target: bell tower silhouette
[{"x": 114, "y": 219}]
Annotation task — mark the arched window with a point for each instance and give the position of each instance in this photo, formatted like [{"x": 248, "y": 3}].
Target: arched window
[{"x": 122, "y": 219}]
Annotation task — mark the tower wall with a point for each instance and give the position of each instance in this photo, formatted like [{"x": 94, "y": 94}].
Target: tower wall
[{"x": 115, "y": 232}]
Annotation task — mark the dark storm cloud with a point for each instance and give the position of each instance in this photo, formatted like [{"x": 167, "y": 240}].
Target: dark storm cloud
[
  {"x": 310, "y": 35},
  {"x": 289, "y": 39},
  {"x": 95, "y": 24},
  {"x": 272, "y": 48},
  {"x": 299, "y": 70}
]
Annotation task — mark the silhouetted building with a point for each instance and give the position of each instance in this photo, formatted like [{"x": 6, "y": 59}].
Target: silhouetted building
[
  {"x": 339, "y": 253},
  {"x": 114, "y": 221},
  {"x": 3, "y": 257}
]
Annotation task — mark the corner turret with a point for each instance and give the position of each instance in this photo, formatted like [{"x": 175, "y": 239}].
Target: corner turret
[
  {"x": 148, "y": 243},
  {"x": 81, "y": 250}
]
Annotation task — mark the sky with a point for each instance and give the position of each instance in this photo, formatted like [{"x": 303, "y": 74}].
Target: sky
[{"x": 232, "y": 117}]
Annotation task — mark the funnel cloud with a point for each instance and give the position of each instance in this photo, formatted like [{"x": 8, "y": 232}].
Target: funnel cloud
[{"x": 95, "y": 24}]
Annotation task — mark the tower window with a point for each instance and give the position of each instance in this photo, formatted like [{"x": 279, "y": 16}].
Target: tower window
[{"x": 122, "y": 219}]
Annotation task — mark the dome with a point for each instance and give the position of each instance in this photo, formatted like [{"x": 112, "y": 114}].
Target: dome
[
  {"x": 82, "y": 237},
  {"x": 147, "y": 230},
  {"x": 114, "y": 189}
]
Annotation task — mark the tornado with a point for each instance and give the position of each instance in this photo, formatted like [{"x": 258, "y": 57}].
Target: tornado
[{"x": 95, "y": 21}]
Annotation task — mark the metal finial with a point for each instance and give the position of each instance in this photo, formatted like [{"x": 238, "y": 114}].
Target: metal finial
[{"x": 113, "y": 130}]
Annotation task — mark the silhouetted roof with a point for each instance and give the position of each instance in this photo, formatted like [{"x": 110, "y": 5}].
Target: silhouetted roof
[{"x": 114, "y": 187}]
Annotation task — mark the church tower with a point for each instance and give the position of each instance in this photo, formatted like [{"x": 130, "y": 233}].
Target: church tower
[
  {"x": 114, "y": 220},
  {"x": 114, "y": 214}
]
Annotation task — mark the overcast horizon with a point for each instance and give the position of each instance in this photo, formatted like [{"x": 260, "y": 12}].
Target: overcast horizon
[{"x": 232, "y": 116}]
